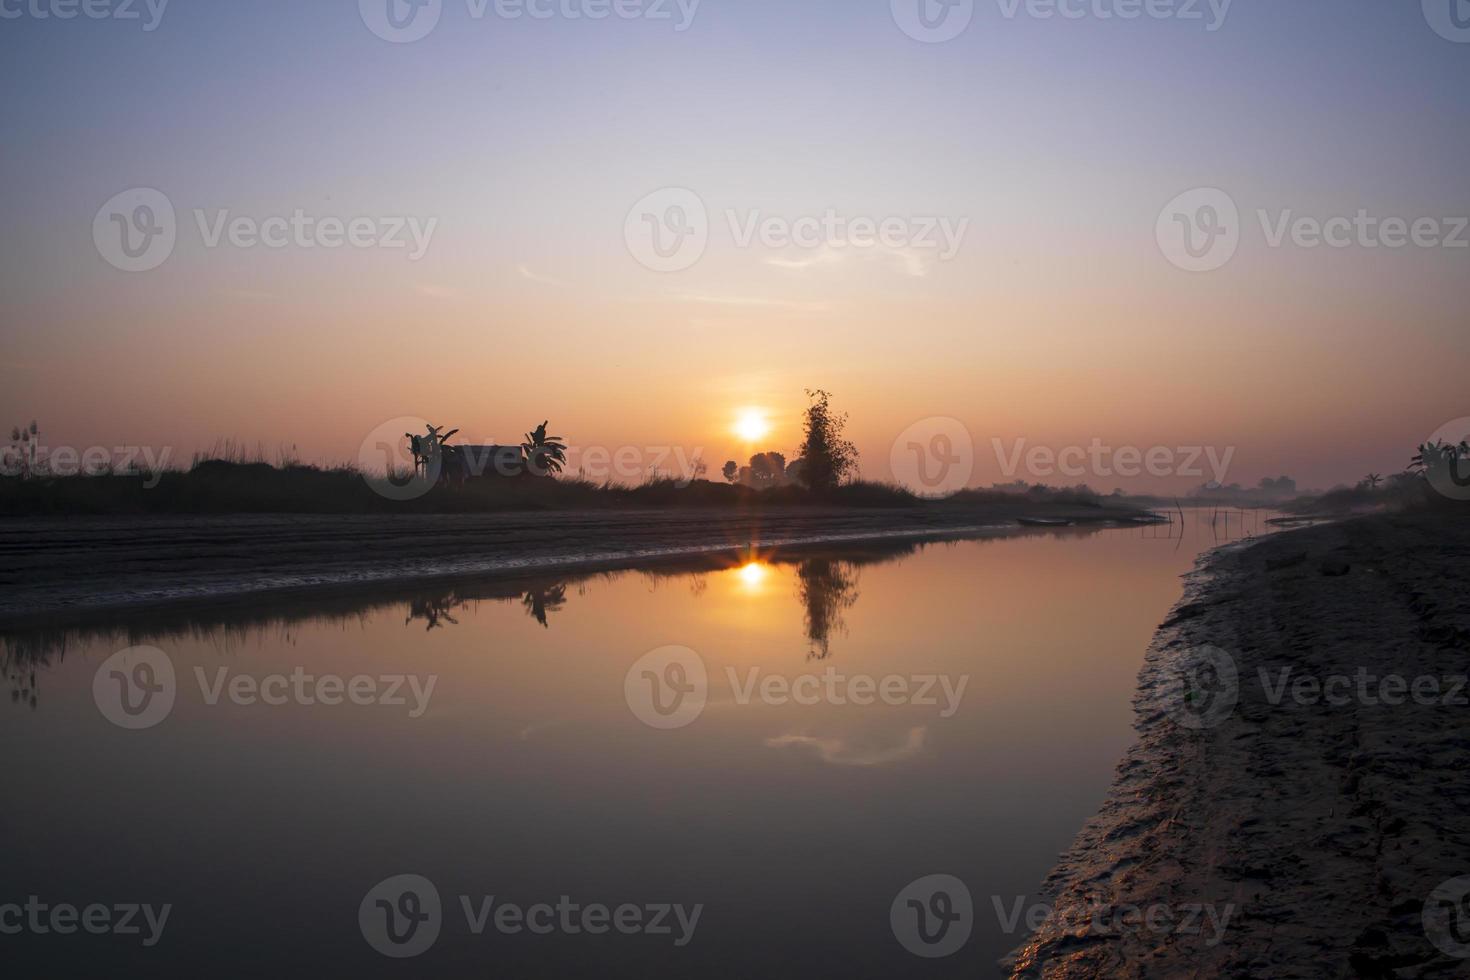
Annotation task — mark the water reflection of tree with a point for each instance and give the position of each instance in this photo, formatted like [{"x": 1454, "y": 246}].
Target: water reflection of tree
[
  {"x": 435, "y": 610},
  {"x": 20, "y": 655},
  {"x": 826, "y": 587},
  {"x": 545, "y": 599}
]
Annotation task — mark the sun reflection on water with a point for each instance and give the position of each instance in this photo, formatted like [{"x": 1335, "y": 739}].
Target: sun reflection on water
[{"x": 753, "y": 575}]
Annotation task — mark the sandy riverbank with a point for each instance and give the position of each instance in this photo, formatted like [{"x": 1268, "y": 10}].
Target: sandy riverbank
[
  {"x": 58, "y": 567},
  {"x": 1321, "y": 828}
]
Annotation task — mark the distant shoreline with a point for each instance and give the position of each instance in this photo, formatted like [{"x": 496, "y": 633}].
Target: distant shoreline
[
  {"x": 61, "y": 567},
  {"x": 1318, "y": 831}
]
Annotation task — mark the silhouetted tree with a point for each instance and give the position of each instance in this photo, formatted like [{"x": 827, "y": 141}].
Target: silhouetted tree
[
  {"x": 1283, "y": 485},
  {"x": 544, "y": 454},
  {"x": 826, "y": 457},
  {"x": 23, "y": 442},
  {"x": 731, "y": 471},
  {"x": 768, "y": 469}
]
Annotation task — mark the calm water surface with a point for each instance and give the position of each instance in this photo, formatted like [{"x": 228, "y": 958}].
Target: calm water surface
[{"x": 529, "y": 776}]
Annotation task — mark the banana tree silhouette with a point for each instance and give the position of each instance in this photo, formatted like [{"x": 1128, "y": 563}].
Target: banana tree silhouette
[
  {"x": 544, "y": 454},
  {"x": 539, "y": 602},
  {"x": 1373, "y": 480},
  {"x": 430, "y": 449},
  {"x": 1433, "y": 455}
]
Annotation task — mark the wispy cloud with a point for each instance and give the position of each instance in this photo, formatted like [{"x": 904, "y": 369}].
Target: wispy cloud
[
  {"x": 826, "y": 255},
  {"x": 530, "y": 275},
  {"x": 754, "y": 301},
  {"x": 911, "y": 262},
  {"x": 844, "y": 752}
]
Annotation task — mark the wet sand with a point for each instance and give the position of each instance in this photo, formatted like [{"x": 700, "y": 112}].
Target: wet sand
[
  {"x": 1318, "y": 830},
  {"x": 62, "y": 567}
]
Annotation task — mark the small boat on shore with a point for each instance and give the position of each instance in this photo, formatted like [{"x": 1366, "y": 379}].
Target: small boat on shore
[{"x": 1044, "y": 522}]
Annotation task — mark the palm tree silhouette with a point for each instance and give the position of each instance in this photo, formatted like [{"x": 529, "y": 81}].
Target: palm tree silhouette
[
  {"x": 539, "y": 602},
  {"x": 543, "y": 454}
]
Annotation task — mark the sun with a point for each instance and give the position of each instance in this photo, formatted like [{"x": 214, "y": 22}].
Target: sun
[{"x": 752, "y": 425}]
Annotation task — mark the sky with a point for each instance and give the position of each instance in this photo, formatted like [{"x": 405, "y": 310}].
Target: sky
[{"x": 604, "y": 207}]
